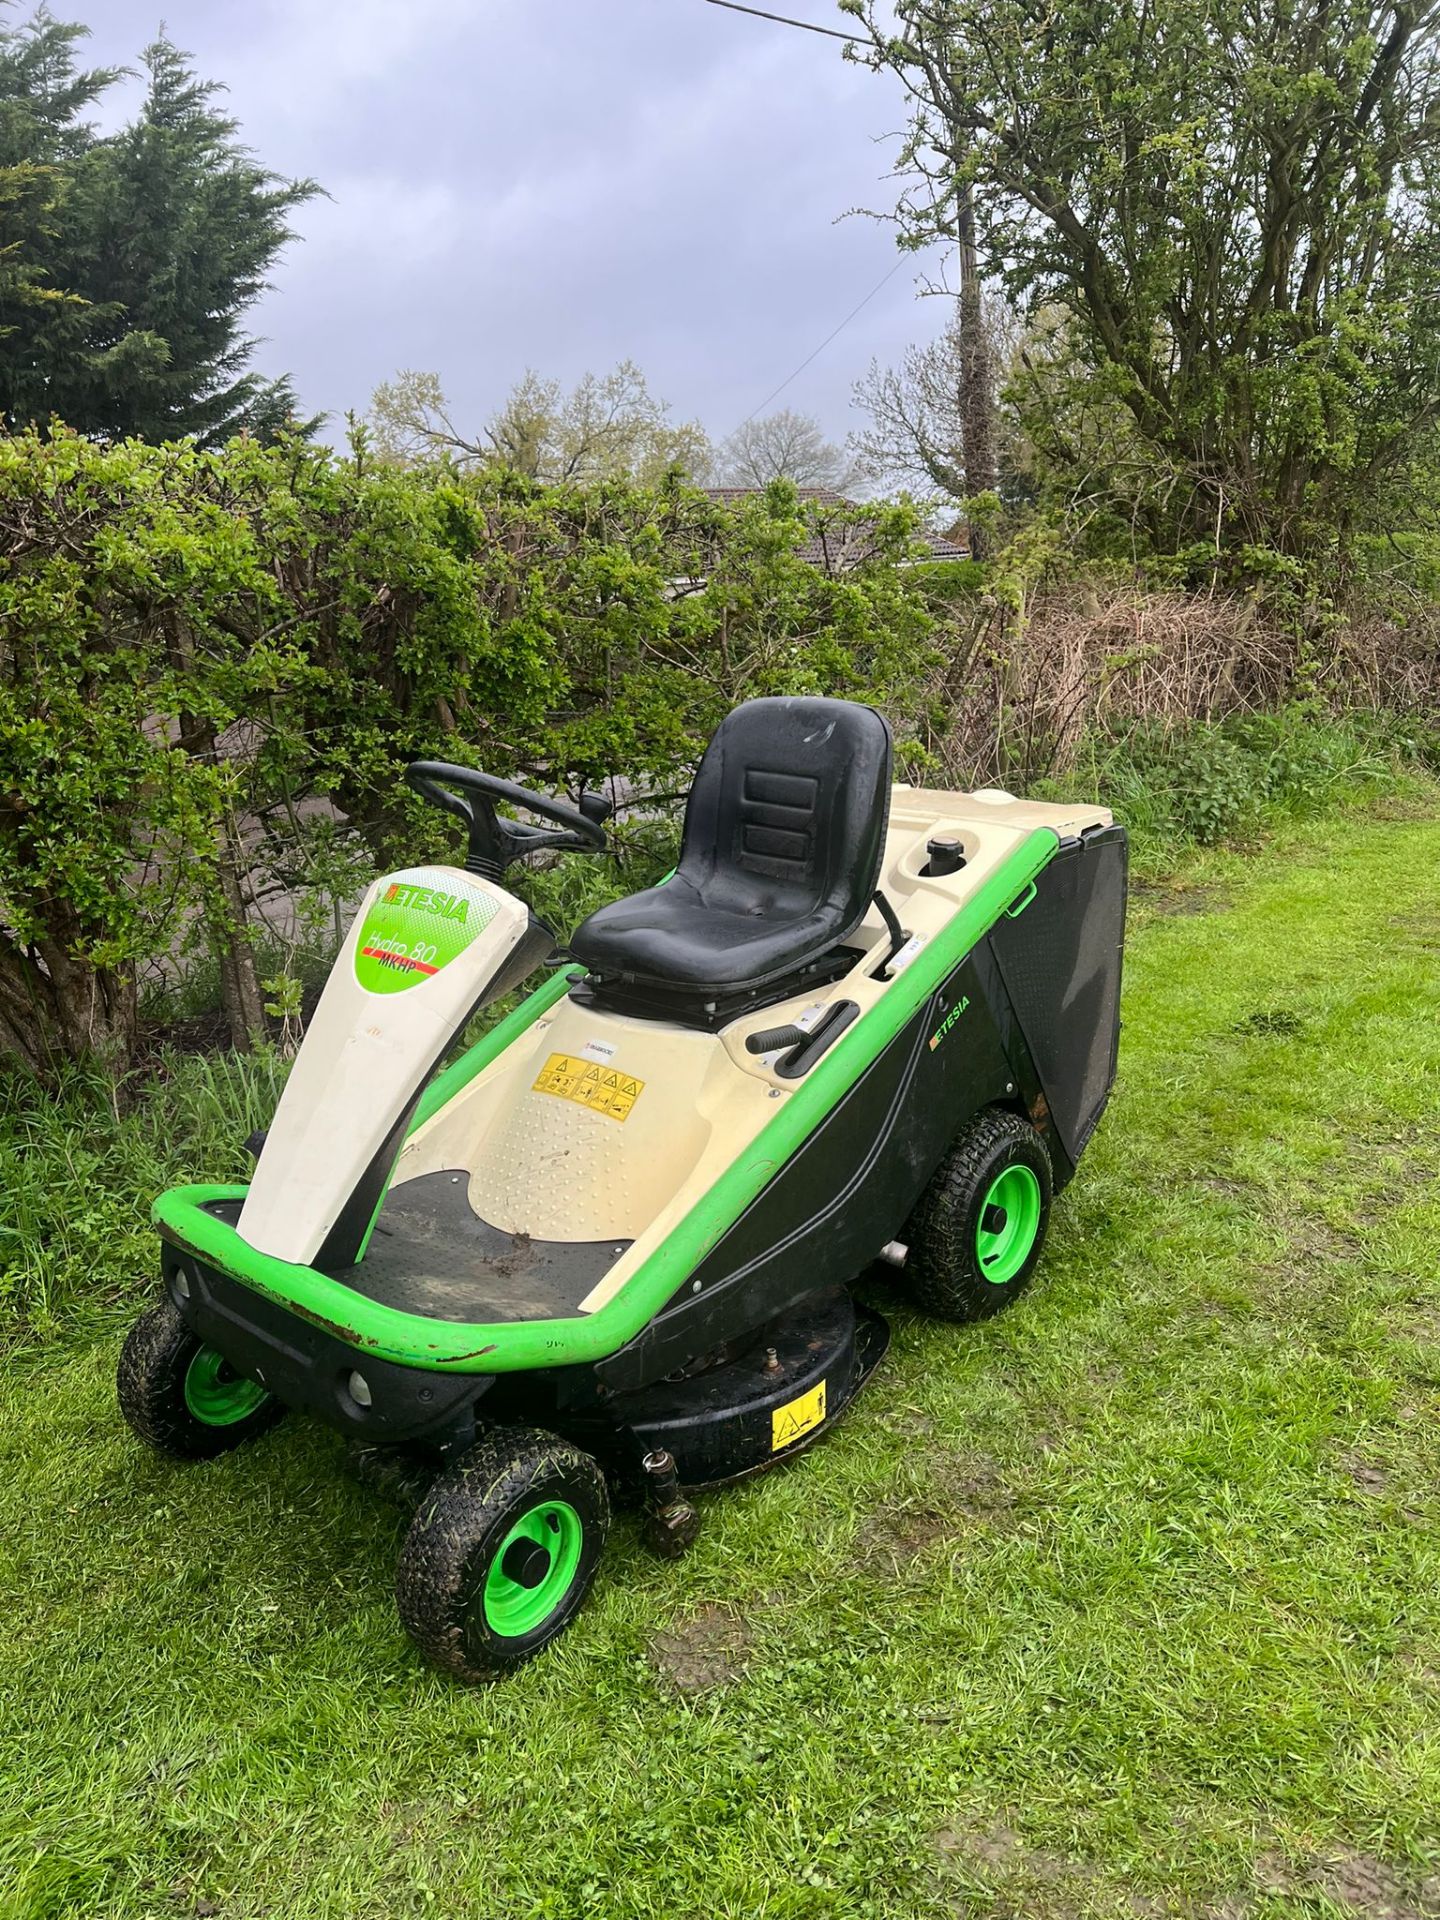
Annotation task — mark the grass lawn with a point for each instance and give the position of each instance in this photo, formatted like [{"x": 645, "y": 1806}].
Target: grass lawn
[{"x": 1128, "y": 1603}]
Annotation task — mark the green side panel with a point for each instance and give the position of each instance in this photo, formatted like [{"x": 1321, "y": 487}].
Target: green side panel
[
  {"x": 519, "y": 1347},
  {"x": 458, "y": 1075}
]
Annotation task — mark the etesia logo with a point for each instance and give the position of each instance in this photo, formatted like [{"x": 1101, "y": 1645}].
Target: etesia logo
[
  {"x": 948, "y": 1022},
  {"x": 445, "y": 906}
]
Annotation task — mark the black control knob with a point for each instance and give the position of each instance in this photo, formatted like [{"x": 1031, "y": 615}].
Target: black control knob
[{"x": 943, "y": 856}]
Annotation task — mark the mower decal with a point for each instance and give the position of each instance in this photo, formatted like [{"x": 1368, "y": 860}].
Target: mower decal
[
  {"x": 418, "y": 923},
  {"x": 948, "y": 1022},
  {"x": 602, "y": 1089},
  {"x": 797, "y": 1418}
]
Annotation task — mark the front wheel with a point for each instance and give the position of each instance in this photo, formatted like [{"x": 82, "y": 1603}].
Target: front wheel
[
  {"x": 183, "y": 1397},
  {"x": 502, "y": 1551},
  {"x": 977, "y": 1231}
]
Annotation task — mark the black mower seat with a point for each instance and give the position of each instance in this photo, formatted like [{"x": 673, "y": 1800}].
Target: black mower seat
[{"x": 784, "y": 836}]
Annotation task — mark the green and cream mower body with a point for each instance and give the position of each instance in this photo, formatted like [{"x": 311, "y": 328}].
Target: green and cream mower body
[{"x": 856, "y": 1042}]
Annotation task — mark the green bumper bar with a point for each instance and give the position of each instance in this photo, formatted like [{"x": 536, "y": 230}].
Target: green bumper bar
[{"x": 521, "y": 1346}]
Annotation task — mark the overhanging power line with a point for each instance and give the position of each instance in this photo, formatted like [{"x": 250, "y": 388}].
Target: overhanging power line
[
  {"x": 782, "y": 20},
  {"x": 853, "y": 314},
  {"x": 830, "y": 33}
]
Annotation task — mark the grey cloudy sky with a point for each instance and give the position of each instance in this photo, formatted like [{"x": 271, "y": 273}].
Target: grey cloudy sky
[{"x": 559, "y": 184}]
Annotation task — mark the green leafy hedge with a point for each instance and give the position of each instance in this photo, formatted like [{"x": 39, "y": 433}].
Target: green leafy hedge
[{"x": 215, "y": 665}]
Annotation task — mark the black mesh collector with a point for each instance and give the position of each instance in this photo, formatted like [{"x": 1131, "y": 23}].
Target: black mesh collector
[{"x": 1060, "y": 961}]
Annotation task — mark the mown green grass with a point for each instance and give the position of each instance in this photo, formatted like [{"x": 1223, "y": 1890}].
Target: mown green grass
[{"x": 1126, "y": 1603}]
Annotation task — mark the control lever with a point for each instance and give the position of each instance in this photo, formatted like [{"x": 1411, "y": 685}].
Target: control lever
[{"x": 770, "y": 1038}]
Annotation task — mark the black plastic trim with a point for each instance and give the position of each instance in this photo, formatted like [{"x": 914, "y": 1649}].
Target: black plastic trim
[
  {"x": 306, "y": 1367},
  {"x": 850, "y": 1187}
]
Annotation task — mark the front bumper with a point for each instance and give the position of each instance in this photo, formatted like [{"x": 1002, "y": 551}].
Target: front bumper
[
  {"x": 309, "y": 1368},
  {"x": 198, "y": 1223}
]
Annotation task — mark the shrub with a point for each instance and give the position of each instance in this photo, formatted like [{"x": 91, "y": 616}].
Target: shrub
[
  {"x": 214, "y": 667},
  {"x": 952, "y": 580},
  {"x": 1175, "y": 787}
]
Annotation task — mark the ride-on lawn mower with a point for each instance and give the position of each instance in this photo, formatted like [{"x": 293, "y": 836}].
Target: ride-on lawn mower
[{"x": 612, "y": 1245}]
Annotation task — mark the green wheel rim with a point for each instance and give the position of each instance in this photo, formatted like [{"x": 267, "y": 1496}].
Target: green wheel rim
[
  {"x": 534, "y": 1569},
  {"x": 216, "y": 1394},
  {"x": 1009, "y": 1222}
]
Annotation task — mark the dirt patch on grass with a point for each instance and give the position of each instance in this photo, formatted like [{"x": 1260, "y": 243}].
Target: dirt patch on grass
[
  {"x": 1316, "y": 1238},
  {"x": 997, "y": 1846},
  {"x": 894, "y": 1536},
  {"x": 1357, "y": 1882},
  {"x": 979, "y": 1490},
  {"x": 973, "y": 1494},
  {"x": 708, "y": 1650},
  {"x": 1365, "y": 1475},
  {"x": 997, "y": 1857},
  {"x": 1228, "y": 1188},
  {"x": 1178, "y": 899},
  {"x": 1016, "y": 1881},
  {"x": 913, "y": 1422},
  {"x": 1369, "y": 1886}
]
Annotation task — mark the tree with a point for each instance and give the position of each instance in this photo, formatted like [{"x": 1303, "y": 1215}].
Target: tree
[
  {"x": 609, "y": 426},
  {"x": 786, "y": 446},
  {"x": 975, "y": 386},
  {"x": 28, "y": 307},
  {"x": 917, "y": 432},
  {"x": 48, "y": 331},
  {"x": 1236, "y": 206},
  {"x": 174, "y": 223},
  {"x": 146, "y": 249}
]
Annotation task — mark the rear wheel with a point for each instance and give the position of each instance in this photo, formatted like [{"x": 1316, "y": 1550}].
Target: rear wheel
[
  {"x": 976, "y": 1234},
  {"x": 183, "y": 1397},
  {"x": 502, "y": 1551}
]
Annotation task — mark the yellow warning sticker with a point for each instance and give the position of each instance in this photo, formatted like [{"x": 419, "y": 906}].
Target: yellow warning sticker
[
  {"x": 602, "y": 1089},
  {"x": 796, "y": 1418}
]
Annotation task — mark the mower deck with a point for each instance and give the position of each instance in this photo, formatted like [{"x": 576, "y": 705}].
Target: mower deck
[{"x": 742, "y": 1415}]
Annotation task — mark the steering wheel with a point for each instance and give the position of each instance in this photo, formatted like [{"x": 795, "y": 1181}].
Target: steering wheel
[{"x": 494, "y": 840}]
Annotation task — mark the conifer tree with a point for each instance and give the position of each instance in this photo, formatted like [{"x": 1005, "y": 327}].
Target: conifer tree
[{"x": 128, "y": 262}]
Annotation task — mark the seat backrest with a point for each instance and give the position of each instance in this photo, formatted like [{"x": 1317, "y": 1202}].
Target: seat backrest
[{"x": 788, "y": 811}]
